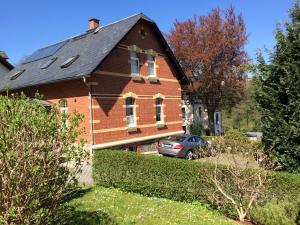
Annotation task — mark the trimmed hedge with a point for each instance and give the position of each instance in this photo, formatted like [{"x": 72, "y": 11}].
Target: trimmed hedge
[
  {"x": 149, "y": 175},
  {"x": 277, "y": 212},
  {"x": 172, "y": 178}
]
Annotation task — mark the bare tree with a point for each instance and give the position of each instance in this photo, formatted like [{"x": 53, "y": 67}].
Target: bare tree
[{"x": 238, "y": 176}]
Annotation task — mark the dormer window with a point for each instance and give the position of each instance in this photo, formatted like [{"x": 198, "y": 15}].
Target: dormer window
[
  {"x": 69, "y": 61},
  {"x": 135, "y": 64},
  {"x": 17, "y": 74},
  {"x": 48, "y": 63}
]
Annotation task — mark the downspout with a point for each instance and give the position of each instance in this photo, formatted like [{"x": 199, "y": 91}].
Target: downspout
[{"x": 91, "y": 111}]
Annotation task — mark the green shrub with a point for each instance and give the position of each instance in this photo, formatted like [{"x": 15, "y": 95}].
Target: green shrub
[
  {"x": 284, "y": 186},
  {"x": 236, "y": 135},
  {"x": 277, "y": 212},
  {"x": 33, "y": 145},
  {"x": 196, "y": 129},
  {"x": 172, "y": 178},
  {"x": 149, "y": 175}
]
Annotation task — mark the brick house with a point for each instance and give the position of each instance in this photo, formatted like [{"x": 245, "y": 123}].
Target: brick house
[{"x": 122, "y": 77}]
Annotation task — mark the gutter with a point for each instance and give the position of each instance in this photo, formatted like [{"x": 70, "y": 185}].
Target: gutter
[{"x": 91, "y": 110}]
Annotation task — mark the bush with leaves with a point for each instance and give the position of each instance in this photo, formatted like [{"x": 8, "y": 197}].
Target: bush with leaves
[
  {"x": 196, "y": 129},
  {"x": 277, "y": 212},
  {"x": 38, "y": 159},
  {"x": 177, "y": 179}
]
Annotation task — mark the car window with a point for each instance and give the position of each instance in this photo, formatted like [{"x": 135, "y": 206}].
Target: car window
[
  {"x": 176, "y": 138},
  {"x": 191, "y": 139},
  {"x": 197, "y": 139}
]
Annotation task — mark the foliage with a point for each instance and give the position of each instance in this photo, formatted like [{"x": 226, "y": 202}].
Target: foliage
[
  {"x": 237, "y": 184},
  {"x": 211, "y": 51},
  {"x": 245, "y": 115},
  {"x": 235, "y": 135},
  {"x": 114, "y": 206},
  {"x": 196, "y": 129},
  {"x": 278, "y": 96},
  {"x": 173, "y": 178},
  {"x": 35, "y": 157},
  {"x": 277, "y": 212}
]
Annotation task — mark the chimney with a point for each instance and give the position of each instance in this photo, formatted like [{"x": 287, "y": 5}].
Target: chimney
[{"x": 94, "y": 23}]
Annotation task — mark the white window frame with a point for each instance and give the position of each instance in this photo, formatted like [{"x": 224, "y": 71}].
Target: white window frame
[
  {"x": 152, "y": 61},
  {"x": 160, "y": 123},
  {"x": 64, "y": 111},
  {"x": 132, "y": 125},
  {"x": 132, "y": 60}
]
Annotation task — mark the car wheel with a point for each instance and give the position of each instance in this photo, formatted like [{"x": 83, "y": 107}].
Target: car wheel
[{"x": 189, "y": 155}]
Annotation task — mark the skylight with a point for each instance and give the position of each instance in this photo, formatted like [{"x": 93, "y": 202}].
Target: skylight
[
  {"x": 48, "y": 63},
  {"x": 44, "y": 52},
  {"x": 69, "y": 61},
  {"x": 17, "y": 74}
]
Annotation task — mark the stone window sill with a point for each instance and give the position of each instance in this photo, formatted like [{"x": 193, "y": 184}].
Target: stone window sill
[
  {"x": 160, "y": 124},
  {"x": 152, "y": 78},
  {"x": 136, "y": 77},
  {"x": 132, "y": 128}
]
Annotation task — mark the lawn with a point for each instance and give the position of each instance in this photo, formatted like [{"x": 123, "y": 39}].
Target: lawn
[{"x": 112, "y": 206}]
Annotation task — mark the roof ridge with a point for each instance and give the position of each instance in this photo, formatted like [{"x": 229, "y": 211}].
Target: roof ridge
[
  {"x": 128, "y": 17},
  {"x": 86, "y": 32}
]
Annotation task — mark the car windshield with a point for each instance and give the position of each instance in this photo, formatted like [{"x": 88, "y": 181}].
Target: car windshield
[{"x": 176, "y": 138}]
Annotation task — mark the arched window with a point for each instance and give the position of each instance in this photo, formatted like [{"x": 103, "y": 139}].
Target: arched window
[
  {"x": 159, "y": 109},
  {"x": 63, "y": 105},
  {"x": 130, "y": 112}
]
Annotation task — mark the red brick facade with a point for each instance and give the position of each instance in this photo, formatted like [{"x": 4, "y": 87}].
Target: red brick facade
[
  {"x": 111, "y": 81},
  {"x": 114, "y": 81}
]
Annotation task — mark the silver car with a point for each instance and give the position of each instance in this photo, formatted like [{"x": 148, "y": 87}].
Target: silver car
[{"x": 181, "y": 146}]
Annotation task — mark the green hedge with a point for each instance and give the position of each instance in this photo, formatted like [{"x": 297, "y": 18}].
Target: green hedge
[
  {"x": 149, "y": 175},
  {"x": 172, "y": 178}
]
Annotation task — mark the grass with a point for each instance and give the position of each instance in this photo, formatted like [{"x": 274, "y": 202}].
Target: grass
[{"x": 113, "y": 206}]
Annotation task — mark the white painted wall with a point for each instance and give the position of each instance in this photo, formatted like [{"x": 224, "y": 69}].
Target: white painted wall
[
  {"x": 187, "y": 117},
  {"x": 193, "y": 116}
]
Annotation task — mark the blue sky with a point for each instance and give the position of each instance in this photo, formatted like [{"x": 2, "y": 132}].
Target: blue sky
[{"x": 31, "y": 24}]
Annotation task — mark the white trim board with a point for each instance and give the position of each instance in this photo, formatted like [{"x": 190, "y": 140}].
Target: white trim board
[{"x": 132, "y": 140}]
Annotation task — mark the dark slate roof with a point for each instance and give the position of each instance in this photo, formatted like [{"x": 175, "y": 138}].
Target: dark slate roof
[{"x": 93, "y": 48}]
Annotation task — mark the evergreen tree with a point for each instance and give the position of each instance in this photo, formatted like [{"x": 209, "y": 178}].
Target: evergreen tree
[{"x": 278, "y": 95}]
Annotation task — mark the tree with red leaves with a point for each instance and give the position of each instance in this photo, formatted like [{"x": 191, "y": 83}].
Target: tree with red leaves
[{"x": 211, "y": 51}]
